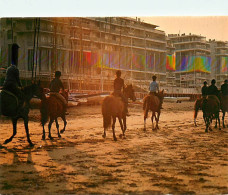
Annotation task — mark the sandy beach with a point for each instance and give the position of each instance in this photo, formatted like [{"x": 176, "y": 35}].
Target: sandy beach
[{"x": 176, "y": 159}]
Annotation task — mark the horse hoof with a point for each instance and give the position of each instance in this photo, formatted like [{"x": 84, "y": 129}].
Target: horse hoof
[
  {"x": 120, "y": 136},
  {"x": 51, "y": 138},
  {"x": 220, "y": 129},
  {"x": 6, "y": 141},
  {"x": 144, "y": 129},
  {"x": 215, "y": 127},
  {"x": 31, "y": 144},
  {"x": 59, "y": 136},
  {"x": 115, "y": 139},
  {"x": 104, "y": 136},
  {"x": 43, "y": 137},
  {"x": 62, "y": 131}
]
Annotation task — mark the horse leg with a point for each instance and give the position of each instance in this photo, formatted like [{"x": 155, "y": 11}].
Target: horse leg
[
  {"x": 65, "y": 123},
  {"x": 223, "y": 118},
  {"x": 125, "y": 124},
  {"x": 43, "y": 136},
  {"x": 57, "y": 127},
  {"x": 206, "y": 123},
  {"x": 122, "y": 128},
  {"x": 157, "y": 120},
  {"x": 152, "y": 119},
  {"x": 217, "y": 117},
  {"x": 113, "y": 128},
  {"x": 216, "y": 121},
  {"x": 27, "y": 131},
  {"x": 145, "y": 123},
  {"x": 49, "y": 128},
  {"x": 14, "y": 121}
]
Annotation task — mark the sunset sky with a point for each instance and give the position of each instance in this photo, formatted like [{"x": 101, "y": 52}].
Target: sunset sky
[{"x": 212, "y": 27}]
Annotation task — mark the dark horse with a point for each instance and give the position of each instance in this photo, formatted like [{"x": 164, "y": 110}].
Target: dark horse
[
  {"x": 9, "y": 107},
  {"x": 52, "y": 107},
  {"x": 211, "y": 107},
  {"x": 152, "y": 103},
  {"x": 113, "y": 107}
]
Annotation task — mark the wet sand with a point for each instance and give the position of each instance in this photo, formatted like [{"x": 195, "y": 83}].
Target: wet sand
[{"x": 176, "y": 159}]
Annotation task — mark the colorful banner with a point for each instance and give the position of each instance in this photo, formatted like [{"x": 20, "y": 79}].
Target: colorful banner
[
  {"x": 171, "y": 62},
  {"x": 194, "y": 63},
  {"x": 224, "y": 65}
]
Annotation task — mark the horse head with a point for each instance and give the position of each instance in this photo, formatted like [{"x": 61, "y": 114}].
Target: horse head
[
  {"x": 129, "y": 92},
  {"x": 33, "y": 90}
]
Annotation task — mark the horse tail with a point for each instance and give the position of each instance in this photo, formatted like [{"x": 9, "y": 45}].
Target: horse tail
[
  {"x": 106, "y": 113},
  {"x": 146, "y": 104},
  {"x": 44, "y": 112}
]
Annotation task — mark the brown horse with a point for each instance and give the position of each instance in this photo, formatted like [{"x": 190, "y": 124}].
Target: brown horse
[
  {"x": 224, "y": 107},
  {"x": 211, "y": 107},
  {"x": 112, "y": 108},
  {"x": 52, "y": 107},
  {"x": 152, "y": 103},
  {"x": 197, "y": 106}
]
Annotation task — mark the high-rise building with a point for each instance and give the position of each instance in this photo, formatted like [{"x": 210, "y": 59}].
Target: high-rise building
[
  {"x": 219, "y": 53},
  {"x": 193, "y": 60}
]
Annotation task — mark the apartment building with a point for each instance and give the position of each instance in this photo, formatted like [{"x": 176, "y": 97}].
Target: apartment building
[
  {"x": 219, "y": 54},
  {"x": 88, "y": 50},
  {"x": 193, "y": 60}
]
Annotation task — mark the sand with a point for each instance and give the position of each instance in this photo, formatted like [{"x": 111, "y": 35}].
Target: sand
[{"x": 176, "y": 159}]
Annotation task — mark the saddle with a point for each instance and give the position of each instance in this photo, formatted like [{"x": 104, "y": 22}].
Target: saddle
[{"x": 11, "y": 94}]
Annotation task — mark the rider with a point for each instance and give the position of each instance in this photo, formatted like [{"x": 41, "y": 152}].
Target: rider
[
  {"x": 212, "y": 89},
  {"x": 154, "y": 89},
  {"x": 224, "y": 87},
  {"x": 204, "y": 89},
  {"x": 55, "y": 86},
  {"x": 12, "y": 81},
  {"x": 118, "y": 90}
]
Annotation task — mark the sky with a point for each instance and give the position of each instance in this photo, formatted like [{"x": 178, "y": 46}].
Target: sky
[
  {"x": 206, "y": 17},
  {"x": 212, "y": 27}
]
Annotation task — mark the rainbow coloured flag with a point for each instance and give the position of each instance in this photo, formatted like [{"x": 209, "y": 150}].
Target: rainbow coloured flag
[
  {"x": 171, "y": 62},
  {"x": 224, "y": 65}
]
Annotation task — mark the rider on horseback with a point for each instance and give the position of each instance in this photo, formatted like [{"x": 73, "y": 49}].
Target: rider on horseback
[
  {"x": 118, "y": 90},
  {"x": 154, "y": 90},
  {"x": 55, "y": 86},
  {"x": 224, "y": 88},
  {"x": 12, "y": 81},
  {"x": 204, "y": 89}
]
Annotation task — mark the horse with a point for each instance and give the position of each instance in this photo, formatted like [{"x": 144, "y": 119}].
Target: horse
[
  {"x": 224, "y": 107},
  {"x": 112, "y": 108},
  {"x": 197, "y": 106},
  {"x": 52, "y": 107},
  {"x": 9, "y": 107},
  {"x": 210, "y": 108},
  {"x": 152, "y": 103}
]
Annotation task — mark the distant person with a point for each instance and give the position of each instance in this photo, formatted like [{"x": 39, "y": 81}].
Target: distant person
[
  {"x": 204, "y": 89},
  {"x": 12, "y": 81},
  {"x": 118, "y": 90},
  {"x": 154, "y": 89},
  {"x": 224, "y": 88},
  {"x": 55, "y": 86},
  {"x": 212, "y": 89}
]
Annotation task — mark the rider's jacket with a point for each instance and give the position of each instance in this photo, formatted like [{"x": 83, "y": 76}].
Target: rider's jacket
[
  {"x": 55, "y": 85},
  {"x": 204, "y": 90},
  {"x": 212, "y": 90},
  {"x": 12, "y": 77},
  {"x": 154, "y": 87},
  {"x": 118, "y": 85},
  {"x": 224, "y": 89}
]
